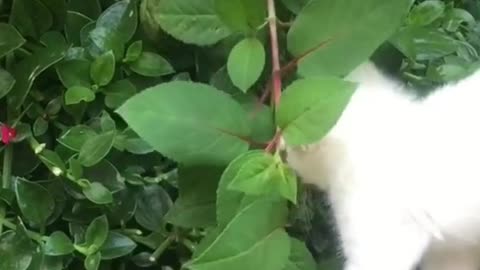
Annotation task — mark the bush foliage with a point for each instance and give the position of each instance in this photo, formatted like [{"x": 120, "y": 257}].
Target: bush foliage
[{"x": 144, "y": 134}]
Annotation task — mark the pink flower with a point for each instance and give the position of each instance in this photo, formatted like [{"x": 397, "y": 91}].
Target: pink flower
[{"x": 8, "y": 134}]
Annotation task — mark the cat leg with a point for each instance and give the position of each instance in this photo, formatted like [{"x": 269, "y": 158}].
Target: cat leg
[{"x": 443, "y": 257}]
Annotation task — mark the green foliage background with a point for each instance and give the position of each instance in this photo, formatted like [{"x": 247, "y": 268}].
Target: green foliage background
[{"x": 146, "y": 138}]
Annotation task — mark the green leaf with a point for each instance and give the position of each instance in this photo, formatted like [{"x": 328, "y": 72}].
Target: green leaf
[
  {"x": 300, "y": 257},
  {"x": 75, "y": 168},
  {"x": 123, "y": 207},
  {"x": 27, "y": 70},
  {"x": 426, "y": 12},
  {"x": 268, "y": 253},
  {"x": 75, "y": 21},
  {"x": 311, "y": 107},
  {"x": 74, "y": 72},
  {"x": 261, "y": 121},
  {"x": 447, "y": 73},
  {"x": 92, "y": 261},
  {"x": 76, "y": 53},
  {"x": 11, "y": 39},
  {"x": 151, "y": 65},
  {"x": 99, "y": 41},
  {"x": 98, "y": 193},
  {"x": 41, "y": 261},
  {"x": 129, "y": 141},
  {"x": 105, "y": 173},
  {"x": 191, "y": 130},
  {"x": 134, "y": 51},
  {"x": 229, "y": 202},
  {"x": 34, "y": 201},
  {"x": 96, "y": 235},
  {"x": 77, "y": 94},
  {"x": 372, "y": 23},
  {"x": 221, "y": 80},
  {"x": 54, "y": 106},
  {"x": 40, "y": 126},
  {"x": 422, "y": 44},
  {"x": 17, "y": 250},
  {"x": 116, "y": 246},
  {"x": 113, "y": 29},
  {"x": 7, "y": 196},
  {"x": 242, "y": 15},
  {"x": 191, "y": 21},
  {"x": 153, "y": 203},
  {"x": 96, "y": 148},
  {"x": 142, "y": 259},
  {"x": 106, "y": 122},
  {"x": 58, "y": 244},
  {"x": 120, "y": 19},
  {"x": 75, "y": 137},
  {"x": 295, "y": 6},
  {"x": 58, "y": 9},
  {"x": 118, "y": 92},
  {"x": 103, "y": 69},
  {"x": 246, "y": 63},
  {"x": 31, "y": 17},
  {"x": 268, "y": 215},
  {"x": 24, "y": 151},
  {"x": 6, "y": 82},
  {"x": 53, "y": 161},
  {"x": 89, "y": 8},
  {"x": 260, "y": 173},
  {"x": 87, "y": 42},
  {"x": 455, "y": 17},
  {"x": 195, "y": 206}
]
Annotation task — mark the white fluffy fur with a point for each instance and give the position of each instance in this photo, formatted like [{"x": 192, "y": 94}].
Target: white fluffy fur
[{"x": 403, "y": 176}]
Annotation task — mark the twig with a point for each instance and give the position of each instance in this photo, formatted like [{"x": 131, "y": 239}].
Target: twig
[
  {"x": 273, "y": 144},
  {"x": 276, "y": 72},
  {"x": 294, "y": 63},
  {"x": 163, "y": 246},
  {"x": 276, "y": 82}
]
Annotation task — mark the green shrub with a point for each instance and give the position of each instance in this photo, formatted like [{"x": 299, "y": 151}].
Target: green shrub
[{"x": 144, "y": 134}]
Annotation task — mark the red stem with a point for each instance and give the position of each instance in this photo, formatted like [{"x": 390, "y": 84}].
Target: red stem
[
  {"x": 273, "y": 144},
  {"x": 276, "y": 82},
  {"x": 276, "y": 73}
]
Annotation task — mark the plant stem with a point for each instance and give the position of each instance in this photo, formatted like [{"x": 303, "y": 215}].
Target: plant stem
[
  {"x": 276, "y": 73},
  {"x": 273, "y": 144},
  {"x": 3, "y": 214},
  {"x": 6, "y": 179},
  {"x": 276, "y": 81},
  {"x": 188, "y": 244},
  {"x": 163, "y": 246},
  {"x": 33, "y": 235},
  {"x": 7, "y": 167}
]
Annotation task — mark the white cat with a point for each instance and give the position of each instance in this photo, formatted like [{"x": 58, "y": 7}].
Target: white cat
[{"x": 402, "y": 175}]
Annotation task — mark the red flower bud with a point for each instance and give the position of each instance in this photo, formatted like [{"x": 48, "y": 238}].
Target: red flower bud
[{"x": 8, "y": 134}]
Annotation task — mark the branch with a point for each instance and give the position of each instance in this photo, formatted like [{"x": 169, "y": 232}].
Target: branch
[
  {"x": 276, "y": 72},
  {"x": 294, "y": 63},
  {"x": 276, "y": 90}
]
